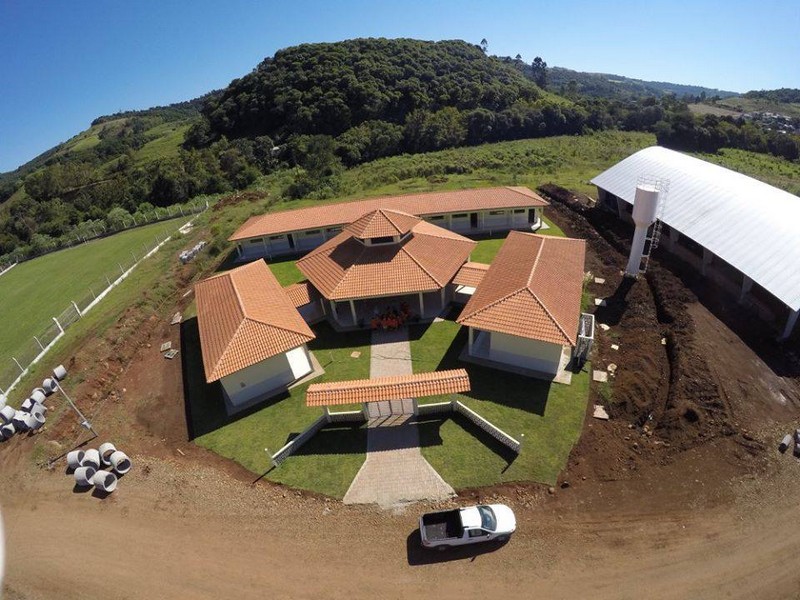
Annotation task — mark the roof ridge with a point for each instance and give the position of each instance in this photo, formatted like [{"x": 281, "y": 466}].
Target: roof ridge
[
  {"x": 385, "y": 212},
  {"x": 419, "y": 264},
  {"x": 273, "y": 325},
  {"x": 462, "y": 316},
  {"x": 227, "y": 347},
  {"x": 535, "y": 263}
]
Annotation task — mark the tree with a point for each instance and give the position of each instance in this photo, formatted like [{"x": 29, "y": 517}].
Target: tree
[
  {"x": 539, "y": 72},
  {"x": 518, "y": 57},
  {"x": 484, "y": 45}
]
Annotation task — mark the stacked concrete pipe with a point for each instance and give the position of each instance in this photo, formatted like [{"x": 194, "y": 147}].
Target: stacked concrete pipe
[
  {"x": 120, "y": 462},
  {"x": 38, "y": 395},
  {"x": 105, "y": 481},
  {"x": 106, "y": 450},
  {"x": 8, "y": 430},
  {"x": 27, "y": 405},
  {"x": 49, "y": 386},
  {"x": 91, "y": 459},
  {"x": 59, "y": 373},
  {"x": 37, "y": 420},
  {"x": 7, "y": 414},
  {"x": 84, "y": 475},
  {"x": 19, "y": 420},
  {"x": 75, "y": 458}
]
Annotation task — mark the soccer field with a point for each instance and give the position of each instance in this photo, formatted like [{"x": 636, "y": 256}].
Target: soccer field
[{"x": 35, "y": 291}]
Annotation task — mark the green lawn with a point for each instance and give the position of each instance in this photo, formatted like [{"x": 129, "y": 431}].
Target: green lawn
[
  {"x": 486, "y": 250},
  {"x": 35, "y": 291},
  {"x": 166, "y": 145},
  {"x": 328, "y": 462},
  {"x": 549, "y": 416},
  {"x": 286, "y": 271}
]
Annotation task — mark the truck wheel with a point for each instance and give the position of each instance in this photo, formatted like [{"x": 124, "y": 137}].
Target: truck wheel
[{"x": 502, "y": 538}]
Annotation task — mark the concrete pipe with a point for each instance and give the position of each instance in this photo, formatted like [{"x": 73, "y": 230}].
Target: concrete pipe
[
  {"x": 91, "y": 459},
  {"x": 7, "y": 414},
  {"x": 59, "y": 372},
  {"x": 19, "y": 420},
  {"x": 38, "y": 419},
  {"x": 39, "y": 408},
  {"x": 30, "y": 421},
  {"x": 49, "y": 386},
  {"x": 83, "y": 475},
  {"x": 105, "y": 481},
  {"x": 120, "y": 462},
  {"x": 75, "y": 458},
  {"x": 106, "y": 450},
  {"x": 38, "y": 395},
  {"x": 27, "y": 405},
  {"x": 7, "y": 431}
]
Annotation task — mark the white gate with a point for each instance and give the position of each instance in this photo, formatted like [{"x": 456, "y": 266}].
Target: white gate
[{"x": 387, "y": 408}]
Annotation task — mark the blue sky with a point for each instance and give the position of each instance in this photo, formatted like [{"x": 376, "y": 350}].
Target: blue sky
[{"x": 64, "y": 63}]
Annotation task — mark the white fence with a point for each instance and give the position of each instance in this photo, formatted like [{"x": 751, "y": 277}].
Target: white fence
[
  {"x": 494, "y": 431},
  {"x": 14, "y": 367}
]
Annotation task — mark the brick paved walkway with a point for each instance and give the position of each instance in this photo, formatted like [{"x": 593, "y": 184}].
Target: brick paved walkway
[{"x": 395, "y": 470}]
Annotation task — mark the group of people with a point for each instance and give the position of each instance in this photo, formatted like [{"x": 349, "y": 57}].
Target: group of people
[{"x": 391, "y": 318}]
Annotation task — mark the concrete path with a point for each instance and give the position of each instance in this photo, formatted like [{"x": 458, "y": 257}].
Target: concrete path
[{"x": 395, "y": 470}]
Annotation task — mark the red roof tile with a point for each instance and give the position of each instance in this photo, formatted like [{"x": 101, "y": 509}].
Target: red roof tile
[
  {"x": 471, "y": 274},
  {"x": 379, "y": 389},
  {"x": 382, "y": 223},
  {"x": 426, "y": 260},
  {"x": 245, "y": 317},
  {"x": 302, "y": 293},
  {"x": 532, "y": 289},
  {"x": 432, "y": 203}
]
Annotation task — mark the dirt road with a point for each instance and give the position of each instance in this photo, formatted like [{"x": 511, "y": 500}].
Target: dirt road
[{"x": 182, "y": 531}]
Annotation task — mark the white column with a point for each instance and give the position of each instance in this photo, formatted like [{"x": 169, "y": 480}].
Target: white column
[
  {"x": 450, "y": 221},
  {"x": 353, "y": 312},
  {"x": 322, "y": 305},
  {"x": 239, "y": 250},
  {"x": 790, "y": 323},
  {"x": 747, "y": 285},
  {"x": 334, "y": 312},
  {"x": 471, "y": 338},
  {"x": 421, "y": 306},
  {"x": 443, "y": 297}
]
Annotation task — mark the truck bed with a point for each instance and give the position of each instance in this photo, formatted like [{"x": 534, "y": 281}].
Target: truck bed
[{"x": 442, "y": 525}]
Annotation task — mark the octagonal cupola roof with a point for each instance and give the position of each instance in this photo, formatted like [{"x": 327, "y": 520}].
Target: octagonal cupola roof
[{"x": 382, "y": 223}]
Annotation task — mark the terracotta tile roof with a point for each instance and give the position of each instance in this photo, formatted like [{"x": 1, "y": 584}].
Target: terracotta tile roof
[
  {"x": 330, "y": 215},
  {"x": 382, "y": 223},
  {"x": 532, "y": 289},
  {"x": 302, "y": 293},
  {"x": 343, "y": 267},
  {"x": 245, "y": 317},
  {"x": 471, "y": 274},
  {"x": 379, "y": 389}
]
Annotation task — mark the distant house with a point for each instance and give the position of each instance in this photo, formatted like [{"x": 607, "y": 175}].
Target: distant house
[
  {"x": 476, "y": 211},
  {"x": 252, "y": 338},
  {"x": 525, "y": 312},
  {"x": 742, "y": 232}
]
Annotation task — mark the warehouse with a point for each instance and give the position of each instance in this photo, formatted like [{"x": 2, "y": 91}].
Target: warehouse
[{"x": 743, "y": 233}]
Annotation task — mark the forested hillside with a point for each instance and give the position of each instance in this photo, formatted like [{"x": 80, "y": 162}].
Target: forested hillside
[{"x": 314, "y": 110}]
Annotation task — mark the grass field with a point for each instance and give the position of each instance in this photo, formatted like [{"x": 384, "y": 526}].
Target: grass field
[
  {"x": 167, "y": 142},
  {"x": 770, "y": 169},
  {"x": 548, "y": 418},
  {"x": 35, "y": 291},
  {"x": 326, "y": 464}
]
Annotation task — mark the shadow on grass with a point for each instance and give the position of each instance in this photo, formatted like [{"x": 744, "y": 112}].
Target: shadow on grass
[
  {"x": 204, "y": 404},
  {"x": 336, "y": 438},
  {"x": 429, "y": 435},
  {"x": 418, "y": 555},
  {"x": 500, "y": 387},
  {"x": 330, "y": 339}
]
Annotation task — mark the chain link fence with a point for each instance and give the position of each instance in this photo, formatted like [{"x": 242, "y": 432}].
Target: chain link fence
[{"x": 13, "y": 367}]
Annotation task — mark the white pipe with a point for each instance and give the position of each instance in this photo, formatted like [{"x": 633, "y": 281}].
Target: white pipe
[
  {"x": 19, "y": 420},
  {"x": 7, "y": 430},
  {"x": 75, "y": 458},
  {"x": 91, "y": 459},
  {"x": 27, "y": 405},
  {"x": 59, "y": 372},
  {"x": 121, "y": 462},
  {"x": 7, "y": 414},
  {"x": 37, "y": 420},
  {"x": 105, "y": 481},
  {"x": 83, "y": 475},
  {"x": 106, "y": 450},
  {"x": 49, "y": 386},
  {"x": 38, "y": 395},
  {"x": 637, "y": 249}
]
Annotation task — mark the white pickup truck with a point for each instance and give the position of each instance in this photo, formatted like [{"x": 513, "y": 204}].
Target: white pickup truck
[{"x": 448, "y": 528}]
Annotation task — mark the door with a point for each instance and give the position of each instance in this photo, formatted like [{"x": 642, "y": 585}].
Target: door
[{"x": 473, "y": 220}]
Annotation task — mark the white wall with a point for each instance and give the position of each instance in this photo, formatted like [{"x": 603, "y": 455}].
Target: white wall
[
  {"x": 523, "y": 352},
  {"x": 258, "y": 380}
]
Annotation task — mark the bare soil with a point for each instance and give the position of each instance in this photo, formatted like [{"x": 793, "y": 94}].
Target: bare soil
[{"x": 681, "y": 494}]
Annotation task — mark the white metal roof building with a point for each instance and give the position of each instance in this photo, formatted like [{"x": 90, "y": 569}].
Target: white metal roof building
[{"x": 749, "y": 224}]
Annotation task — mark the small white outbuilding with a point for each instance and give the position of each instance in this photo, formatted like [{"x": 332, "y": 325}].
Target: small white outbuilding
[{"x": 252, "y": 338}]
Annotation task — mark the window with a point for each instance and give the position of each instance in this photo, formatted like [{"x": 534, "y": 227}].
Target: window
[
  {"x": 473, "y": 533},
  {"x": 488, "y": 520},
  {"x": 382, "y": 240},
  {"x": 519, "y": 211},
  {"x": 460, "y": 216},
  {"x": 437, "y": 218},
  {"x": 276, "y": 237},
  {"x": 256, "y": 241},
  {"x": 497, "y": 212},
  {"x": 313, "y": 232}
]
